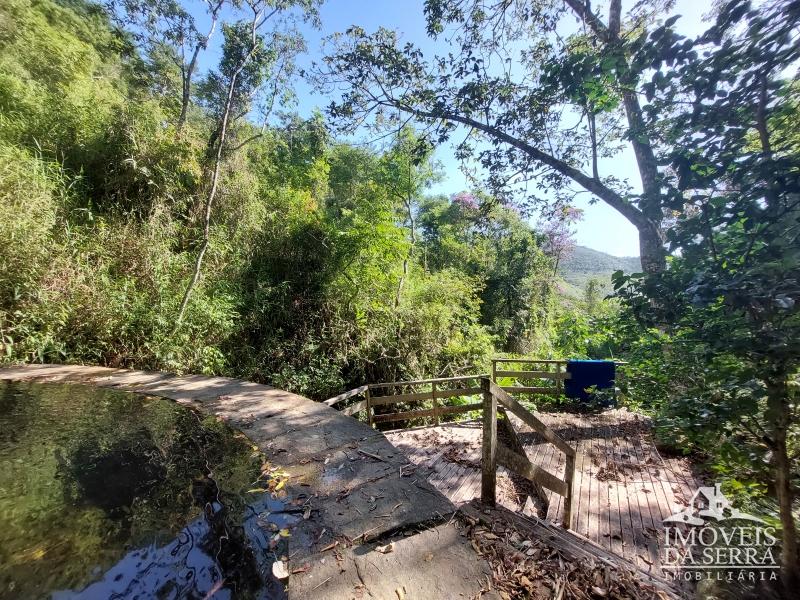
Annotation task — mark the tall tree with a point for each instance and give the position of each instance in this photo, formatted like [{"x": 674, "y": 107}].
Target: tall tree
[
  {"x": 725, "y": 107},
  {"x": 165, "y": 26},
  {"x": 542, "y": 106},
  {"x": 250, "y": 59},
  {"x": 406, "y": 170}
]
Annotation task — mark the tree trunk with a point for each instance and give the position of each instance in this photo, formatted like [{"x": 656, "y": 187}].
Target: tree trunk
[
  {"x": 410, "y": 255},
  {"x": 779, "y": 415},
  {"x": 212, "y": 192},
  {"x": 651, "y": 248},
  {"x": 188, "y": 71}
]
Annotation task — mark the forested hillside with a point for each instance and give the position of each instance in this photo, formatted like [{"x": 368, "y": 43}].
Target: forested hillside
[
  {"x": 313, "y": 279},
  {"x": 582, "y": 264}
]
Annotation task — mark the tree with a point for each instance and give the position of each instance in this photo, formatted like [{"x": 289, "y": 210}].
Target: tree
[
  {"x": 559, "y": 236},
  {"x": 499, "y": 250},
  {"x": 248, "y": 60},
  {"x": 542, "y": 107},
  {"x": 166, "y": 27},
  {"x": 734, "y": 192},
  {"x": 406, "y": 170}
]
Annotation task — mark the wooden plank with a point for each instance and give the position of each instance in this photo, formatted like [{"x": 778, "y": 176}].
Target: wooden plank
[
  {"x": 346, "y": 395},
  {"x": 397, "y": 398},
  {"x": 370, "y": 410},
  {"x": 602, "y": 498},
  {"x": 531, "y": 420},
  {"x": 582, "y": 467},
  {"x": 435, "y": 405},
  {"x": 454, "y": 393},
  {"x": 403, "y": 416},
  {"x": 615, "y": 537},
  {"x": 537, "y": 452},
  {"x": 551, "y": 462},
  {"x": 424, "y": 381},
  {"x": 354, "y": 408},
  {"x": 457, "y": 410},
  {"x": 489, "y": 445},
  {"x": 528, "y": 360},
  {"x": 651, "y": 517},
  {"x": 431, "y": 412},
  {"x": 529, "y": 390},
  {"x": 506, "y": 426},
  {"x": 569, "y": 500},
  {"x": 594, "y": 514},
  {"x": 636, "y": 508},
  {"x": 534, "y": 375},
  {"x": 522, "y": 466},
  {"x": 626, "y": 518}
]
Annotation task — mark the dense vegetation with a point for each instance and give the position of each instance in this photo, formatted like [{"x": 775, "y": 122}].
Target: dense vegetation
[
  {"x": 312, "y": 279},
  {"x": 160, "y": 216}
]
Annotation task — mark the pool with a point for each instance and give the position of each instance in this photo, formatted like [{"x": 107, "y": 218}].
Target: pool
[{"x": 109, "y": 494}]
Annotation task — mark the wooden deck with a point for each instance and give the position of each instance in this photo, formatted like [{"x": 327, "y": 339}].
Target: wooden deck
[{"x": 624, "y": 487}]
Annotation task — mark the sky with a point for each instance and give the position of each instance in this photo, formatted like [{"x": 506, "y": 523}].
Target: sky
[{"x": 602, "y": 227}]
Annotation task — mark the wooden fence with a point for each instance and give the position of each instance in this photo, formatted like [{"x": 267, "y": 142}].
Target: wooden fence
[
  {"x": 435, "y": 392},
  {"x": 540, "y": 376},
  {"x": 496, "y": 453},
  {"x": 495, "y": 400}
]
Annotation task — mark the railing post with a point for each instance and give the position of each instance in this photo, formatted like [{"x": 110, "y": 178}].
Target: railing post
[
  {"x": 369, "y": 408},
  {"x": 489, "y": 445},
  {"x": 569, "y": 501},
  {"x": 494, "y": 370},
  {"x": 559, "y": 381},
  {"x": 435, "y": 404}
]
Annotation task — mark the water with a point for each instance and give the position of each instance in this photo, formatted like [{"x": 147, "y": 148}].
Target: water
[{"x": 107, "y": 494}]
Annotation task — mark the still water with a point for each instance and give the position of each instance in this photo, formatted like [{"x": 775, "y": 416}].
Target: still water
[{"x": 108, "y": 494}]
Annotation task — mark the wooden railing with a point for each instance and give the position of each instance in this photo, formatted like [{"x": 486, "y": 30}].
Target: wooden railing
[
  {"x": 435, "y": 392},
  {"x": 549, "y": 375},
  {"x": 496, "y": 453},
  {"x": 494, "y": 400}
]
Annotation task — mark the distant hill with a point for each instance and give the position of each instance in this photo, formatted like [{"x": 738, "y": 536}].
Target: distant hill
[{"x": 584, "y": 264}]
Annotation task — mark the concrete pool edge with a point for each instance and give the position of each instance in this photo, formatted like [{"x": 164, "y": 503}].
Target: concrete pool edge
[{"x": 358, "y": 486}]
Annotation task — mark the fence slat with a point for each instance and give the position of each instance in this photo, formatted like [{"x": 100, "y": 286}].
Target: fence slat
[
  {"x": 530, "y": 419},
  {"x": 397, "y": 398},
  {"x": 522, "y": 466},
  {"x": 354, "y": 408},
  {"x": 442, "y": 394},
  {"x": 415, "y": 414},
  {"x": 530, "y": 390},
  {"x": 489, "y": 445},
  {"x": 533, "y": 374},
  {"x": 423, "y": 381},
  {"x": 346, "y": 395}
]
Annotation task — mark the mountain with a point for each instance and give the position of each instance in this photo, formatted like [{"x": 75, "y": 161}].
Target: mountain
[{"x": 583, "y": 264}]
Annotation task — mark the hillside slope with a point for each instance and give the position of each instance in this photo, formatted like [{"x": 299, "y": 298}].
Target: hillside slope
[{"x": 583, "y": 264}]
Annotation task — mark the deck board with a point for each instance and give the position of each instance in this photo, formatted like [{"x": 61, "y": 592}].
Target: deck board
[{"x": 624, "y": 487}]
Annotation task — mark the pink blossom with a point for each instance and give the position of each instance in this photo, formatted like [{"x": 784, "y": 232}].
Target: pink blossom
[{"x": 465, "y": 200}]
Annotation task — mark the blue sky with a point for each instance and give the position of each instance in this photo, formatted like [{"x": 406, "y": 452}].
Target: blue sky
[{"x": 602, "y": 228}]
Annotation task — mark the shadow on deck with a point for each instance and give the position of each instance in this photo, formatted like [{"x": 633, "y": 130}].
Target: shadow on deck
[{"x": 623, "y": 486}]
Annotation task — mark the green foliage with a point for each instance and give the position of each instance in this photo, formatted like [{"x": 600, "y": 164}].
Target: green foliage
[{"x": 327, "y": 265}]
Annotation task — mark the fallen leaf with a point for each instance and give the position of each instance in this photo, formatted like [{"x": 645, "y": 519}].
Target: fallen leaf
[{"x": 385, "y": 549}]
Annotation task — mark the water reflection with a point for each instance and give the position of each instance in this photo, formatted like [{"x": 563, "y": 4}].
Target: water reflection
[
  {"x": 97, "y": 488},
  {"x": 199, "y": 562}
]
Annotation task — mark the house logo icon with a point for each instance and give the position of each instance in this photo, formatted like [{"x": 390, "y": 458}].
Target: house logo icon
[{"x": 709, "y": 503}]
